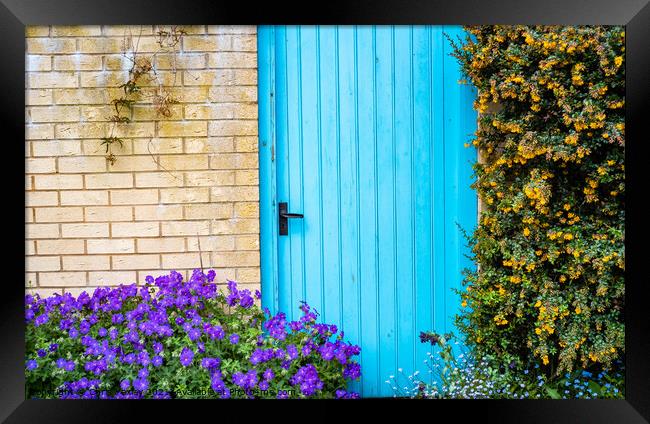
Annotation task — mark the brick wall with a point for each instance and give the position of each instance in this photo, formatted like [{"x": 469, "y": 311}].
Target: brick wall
[{"x": 177, "y": 181}]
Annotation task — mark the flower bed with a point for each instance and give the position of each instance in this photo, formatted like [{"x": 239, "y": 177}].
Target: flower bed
[{"x": 180, "y": 339}]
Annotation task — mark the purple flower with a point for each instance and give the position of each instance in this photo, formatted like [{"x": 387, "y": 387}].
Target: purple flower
[
  {"x": 186, "y": 357},
  {"x": 194, "y": 334},
  {"x": 340, "y": 393},
  {"x": 73, "y": 333},
  {"x": 307, "y": 378},
  {"x": 282, "y": 394},
  {"x": 352, "y": 370},
  {"x": 157, "y": 347},
  {"x": 41, "y": 353},
  {"x": 125, "y": 384},
  {"x": 31, "y": 364},
  {"x": 69, "y": 366},
  {"x": 268, "y": 374},
  {"x": 292, "y": 351},
  {"x": 157, "y": 361},
  {"x": 210, "y": 363},
  {"x": 102, "y": 332},
  {"x": 264, "y": 385},
  {"x": 53, "y": 347},
  {"x": 234, "y": 338},
  {"x": 140, "y": 384},
  {"x": 143, "y": 373}
]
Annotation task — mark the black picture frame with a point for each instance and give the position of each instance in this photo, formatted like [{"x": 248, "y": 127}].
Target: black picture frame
[{"x": 634, "y": 14}]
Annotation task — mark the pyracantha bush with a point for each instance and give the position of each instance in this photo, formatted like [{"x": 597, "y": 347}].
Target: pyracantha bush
[
  {"x": 549, "y": 286},
  {"x": 177, "y": 339}
]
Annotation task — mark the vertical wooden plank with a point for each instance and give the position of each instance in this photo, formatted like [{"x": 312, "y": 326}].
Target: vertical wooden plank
[
  {"x": 268, "y": 212},
  {"x": 403, "y": 198},
  {"x": 386, "y": 199},
  {"x": 294, "y": 152},
  {"x": 310, "y": 110},
  {"x": 372, "y": 379},
  {"x": 330, "y": 167},
  {"x": 282, "y": 164},
  {"x": 347, "y": 95},
  {"x": 422, "y": 165},
  {"x": 438, "y": 163}
]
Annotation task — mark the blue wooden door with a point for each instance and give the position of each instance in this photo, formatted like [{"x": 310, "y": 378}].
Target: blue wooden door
[{"x": 362, "y": 130}]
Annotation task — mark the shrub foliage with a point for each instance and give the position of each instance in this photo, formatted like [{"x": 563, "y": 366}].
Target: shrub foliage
[{"x": 549, "y": 288}]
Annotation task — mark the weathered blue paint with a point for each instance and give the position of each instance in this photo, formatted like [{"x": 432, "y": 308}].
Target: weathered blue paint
[{"x": 362, "y": 129}]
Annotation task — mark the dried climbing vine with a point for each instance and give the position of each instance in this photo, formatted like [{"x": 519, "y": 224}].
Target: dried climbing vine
[{"x": 133, "y": 91}]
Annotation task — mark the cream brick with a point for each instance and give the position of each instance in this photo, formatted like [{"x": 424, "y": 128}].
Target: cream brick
[
  {"x": 81, "y": 130},
  {"x": 57, "y": 148},
  {"x": 247, "y": 177},
  {"x": 183, "y": 162},
  {"x": 40, "y": 165},
  {"x": 41, "y": 231},
  {"x": 248, "y": 275},
  {"x": 76, "y": 31},
  {"x": 86, "y": 263},
  {"x": 112, "y": 278},
  {"x": 247, "y": 242},
  {"x": 158, "y": 179},
  {"x": 158, "y": 146},
  {"x": 50, "y": 45},
  {"x": 182, "y": 129},
  {"x": 29, "y": 215},
  {"x": 42, "y": 263},
  {"x": 232, "y": 29},
  {"x": 209, "y": 178},
  {"x": 60, "y": 247},
  {"x": 30, "y": 247},
  {"x": 84, "y": 230},
  {"x": 211, "y": 243},
  {"x": 209, "y": 145},
  {"x": 158, "y": 212},
  {"x": 38, "y": 97},
  {"x": 59, "y": 214},
  {"x": 31, "y": 279},
  {"x": 135, "y": 261},
  {"x": 44, "y": 292},
  {"x": 244, "y": 43},
  {"x": 113, "y": 62},
  {"x": 208, "y": 211},
  {"x": 80, "y": 96},
  {"x": 134, "y": 197},
  {"x": 134, "y": 163},
  {"x": 39, "y": 131},
  {"x": 233, "y": 94},
  {"x": 84, "y": 197},
  {"x": 112, "y": 180},
  {"x": 191, "y": 94},
  {"x": 109, "y": 213},
  {"x": 111, "y": 246},
  {"x": 97, "y": 113},
  {"x": 185, "y": 260},
  {"x": 53, "y": 113},
  {"x": 234, "y": 193},
  {"x": 41, "y": 198},
  {"x": 236, "y": 226},
  {"x": 205, "y": 43},
  {"x": 78, "y": 63},
  {"x": 234, "y": 161},
  {"x": 62, "y": 279},
  {"x": 236, "y": 259},
  {"x": 160, "y": 245},
  {"x": 232, "y": 127},
  {"x": 52, "y": 80},
  {"x": 185, "y": 195},
  {"x": 218, "y": 77},
  {"x": 232, "y": 60},
  {"x": 185, "y": 228},
  {"x": 187, "y": 61},
  {"x": 58, "y": 182},
  {"x": 29, "y": 184},
  {"x": 38, "y": 63},
  {"x": 82, "y": 164},
  {"x": 37, "y": 31},
  {"x": 247, "y": 210},
  {"x": 135, "y": 229},
  {"x": 127, "y": 30},
  {"x": 101, "y": 45},
  {"x": 221, "y": 111},
  {"x": 95, "y": 148}
]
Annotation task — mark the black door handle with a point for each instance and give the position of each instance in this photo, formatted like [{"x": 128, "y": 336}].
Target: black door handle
[{"x": 283, "y": 215}]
